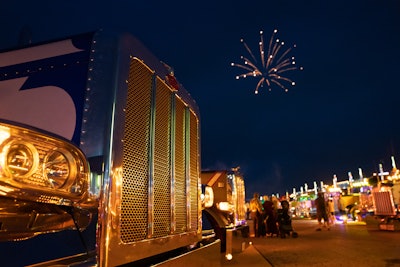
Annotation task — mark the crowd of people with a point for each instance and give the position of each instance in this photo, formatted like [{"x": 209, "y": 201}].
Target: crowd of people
[
  {"x": 269, "y": 214},
  {"x": 266, "y": 215}
]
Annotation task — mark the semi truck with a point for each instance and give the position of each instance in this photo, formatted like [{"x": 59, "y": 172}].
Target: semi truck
[
  {"x": 99, "y": 157},
  {"x": 385, "y": 196},
  {"x": 386, "y": 199},
  {"x": 224, "y": 208}
]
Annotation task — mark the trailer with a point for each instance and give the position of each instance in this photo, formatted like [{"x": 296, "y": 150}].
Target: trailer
[{"x": 99, "y": 157}]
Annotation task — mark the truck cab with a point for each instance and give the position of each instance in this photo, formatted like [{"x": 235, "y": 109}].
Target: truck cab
[
  {"x": 99, "y": 153},
  {"x": 225, "y": 208}
]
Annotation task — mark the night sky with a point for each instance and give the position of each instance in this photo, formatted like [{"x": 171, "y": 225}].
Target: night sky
[{"x": 342, "y": 114}]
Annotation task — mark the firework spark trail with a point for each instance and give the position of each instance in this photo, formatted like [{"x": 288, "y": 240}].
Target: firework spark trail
[
  {"x": 248, "y": 50},
  {"x": 261, "y": 44},
  {"x": 272, "y": 49},
  {"x": 272, "y": 67}
]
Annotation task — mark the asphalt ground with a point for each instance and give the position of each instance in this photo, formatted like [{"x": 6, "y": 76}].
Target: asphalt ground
[{"x": 243, "y": 253}]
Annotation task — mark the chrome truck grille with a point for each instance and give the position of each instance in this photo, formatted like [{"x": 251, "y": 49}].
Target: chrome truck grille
[
  {"x": 159, "y": 195},
  {"x": 241, "y": 199},
  {"x": 383, "y": 202},
  {"x": 134, "y": 199}
]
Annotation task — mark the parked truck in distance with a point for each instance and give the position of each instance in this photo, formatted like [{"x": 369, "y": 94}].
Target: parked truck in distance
[
  {"x": 99, "y": 156},
  {"x": 224, "y": 204},
  {"x": 385, "y": 196}
]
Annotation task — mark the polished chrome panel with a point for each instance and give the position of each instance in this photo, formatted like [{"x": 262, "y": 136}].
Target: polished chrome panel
[{"x": 149, "y": 211}]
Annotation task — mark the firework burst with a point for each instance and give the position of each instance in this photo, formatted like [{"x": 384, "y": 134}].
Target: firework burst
[{"x": 273, "y": 64}]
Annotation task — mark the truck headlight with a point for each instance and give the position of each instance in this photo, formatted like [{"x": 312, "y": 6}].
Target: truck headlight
[
  {"x": 21, "y": 159},
  {"x": 58, "y": 166},
  {"x": 207, "y": 198},
  {"x": 39, "y": 167},
  {"x": 225, "y": 206}
]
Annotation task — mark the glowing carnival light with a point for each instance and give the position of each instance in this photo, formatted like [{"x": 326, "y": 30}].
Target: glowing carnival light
[{"x": 272, "y": 66}]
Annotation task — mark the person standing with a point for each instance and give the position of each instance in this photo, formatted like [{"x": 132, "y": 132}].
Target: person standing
[
  {"x": 331, "y": 209},
  {"x": 270, "y": 217},
  {"x": 256, "y": 211},
  {"x": 322, "y": 212}
]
